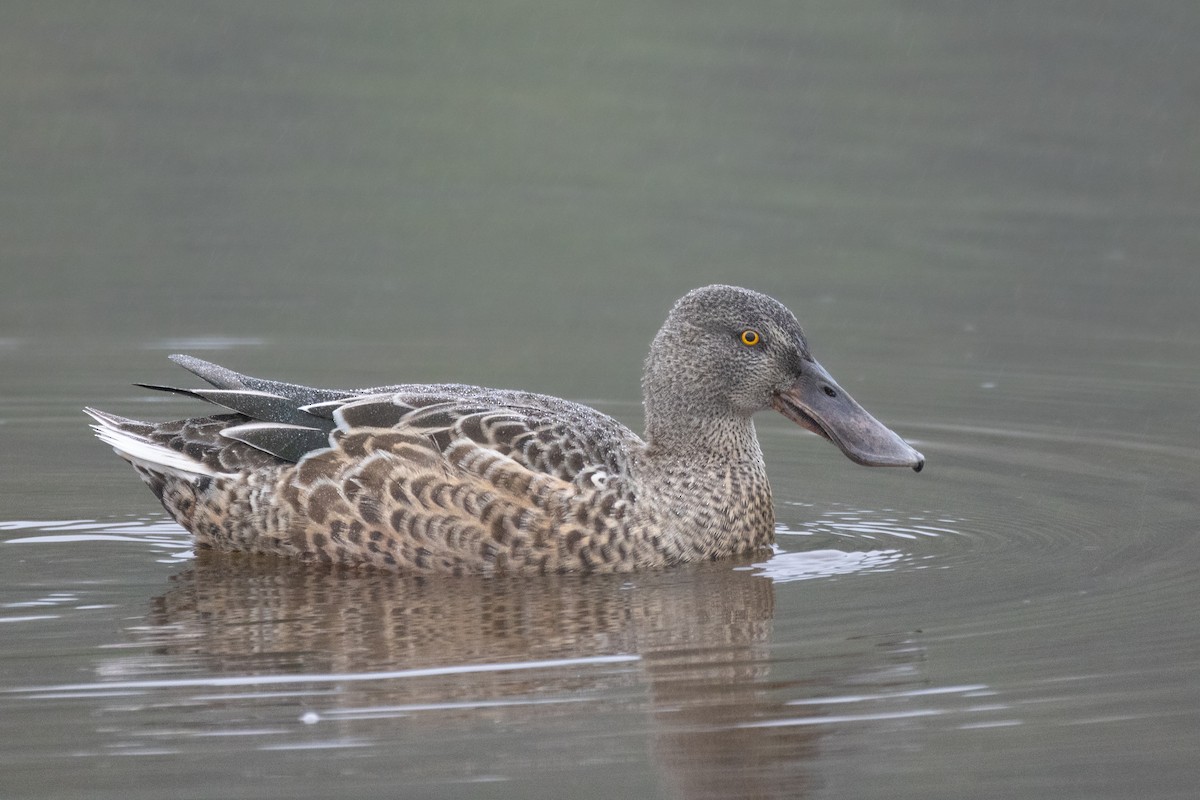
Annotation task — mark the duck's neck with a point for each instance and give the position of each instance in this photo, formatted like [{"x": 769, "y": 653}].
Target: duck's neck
[
  {"x": 688, "y": 417},
  {"x": 685, "y": 435},
  {"x": 703, "y": 488}
]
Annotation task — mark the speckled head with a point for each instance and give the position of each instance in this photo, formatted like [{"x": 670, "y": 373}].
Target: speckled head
[{"x": 725, "y": 353}]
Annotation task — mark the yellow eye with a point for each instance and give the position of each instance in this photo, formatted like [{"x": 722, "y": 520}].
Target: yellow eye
[{"x": 750, "y": 337}]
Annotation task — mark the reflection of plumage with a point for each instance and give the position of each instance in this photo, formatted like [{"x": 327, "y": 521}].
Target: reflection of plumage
[
  {"x": 709, "y": 688},
  {"x": 451, "y": 478},
  {"x": 437, "y": 651}
]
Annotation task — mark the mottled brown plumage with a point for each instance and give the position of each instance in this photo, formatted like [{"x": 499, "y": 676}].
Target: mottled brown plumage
[{"x": 462, "y": 479}]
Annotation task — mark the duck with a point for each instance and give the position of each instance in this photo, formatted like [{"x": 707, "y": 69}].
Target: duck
[{"x": 459, "y": 479}]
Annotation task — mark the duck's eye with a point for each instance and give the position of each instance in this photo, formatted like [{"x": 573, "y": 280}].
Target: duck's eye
[{"x": 750, "y": 337}]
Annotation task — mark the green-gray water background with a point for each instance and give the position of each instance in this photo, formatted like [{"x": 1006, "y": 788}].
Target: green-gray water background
[{"x": 985, "y": 215}]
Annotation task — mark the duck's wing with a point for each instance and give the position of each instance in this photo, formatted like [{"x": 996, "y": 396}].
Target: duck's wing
[
  {"x": 275, "y": 422},
  {"x": 554, "y": 437}
]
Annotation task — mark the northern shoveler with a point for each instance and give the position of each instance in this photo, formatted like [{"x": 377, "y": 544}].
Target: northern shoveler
[{"x": 453, "y": 478}]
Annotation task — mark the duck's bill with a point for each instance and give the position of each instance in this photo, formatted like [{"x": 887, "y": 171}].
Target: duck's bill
[{"x": 817, "y": 403}]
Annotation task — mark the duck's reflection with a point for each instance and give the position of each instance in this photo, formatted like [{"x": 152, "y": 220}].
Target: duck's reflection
[{"x": 702, "y": 636}]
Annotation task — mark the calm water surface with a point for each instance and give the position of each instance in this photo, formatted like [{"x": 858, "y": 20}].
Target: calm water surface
[{"x": 986, "y": 217}]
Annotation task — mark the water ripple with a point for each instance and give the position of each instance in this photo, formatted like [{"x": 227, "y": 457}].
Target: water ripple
[
  {"x": 313, "y": 678},
  {"x": 160, "y": 534},
  {"x": 786, "y": 567}
]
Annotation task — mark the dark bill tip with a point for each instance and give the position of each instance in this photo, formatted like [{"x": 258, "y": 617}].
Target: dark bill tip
[{"x": 817, "y": 403}]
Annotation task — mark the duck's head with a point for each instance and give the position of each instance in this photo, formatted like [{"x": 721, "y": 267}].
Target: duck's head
[{"x": 725, "y": 353}]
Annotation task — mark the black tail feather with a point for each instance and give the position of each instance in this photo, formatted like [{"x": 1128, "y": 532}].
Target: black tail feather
[{"x": 223, "y": 378}]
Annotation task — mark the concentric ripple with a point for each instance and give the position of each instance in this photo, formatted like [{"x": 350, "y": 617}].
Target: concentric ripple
[{"x": 1071, "y": 534}]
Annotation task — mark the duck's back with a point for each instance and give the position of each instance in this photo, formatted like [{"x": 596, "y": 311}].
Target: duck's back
[{"x": 439, "y": 477}]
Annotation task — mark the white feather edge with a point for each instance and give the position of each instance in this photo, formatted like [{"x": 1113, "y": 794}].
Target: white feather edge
[
  {"x": 233, "y": 431},
  {"x": 150, "y": 456}
]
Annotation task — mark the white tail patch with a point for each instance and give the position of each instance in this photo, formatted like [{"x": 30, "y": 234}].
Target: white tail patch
[{"x": 145, "y": 453}]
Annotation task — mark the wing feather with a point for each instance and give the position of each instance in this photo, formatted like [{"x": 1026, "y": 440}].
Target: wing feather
[
  {"x": 277, "y": 423},
  {"x": 539, "y": 438}
]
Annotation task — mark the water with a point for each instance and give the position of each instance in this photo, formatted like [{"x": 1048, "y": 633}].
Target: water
[{"x": 984, "y": 216}]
